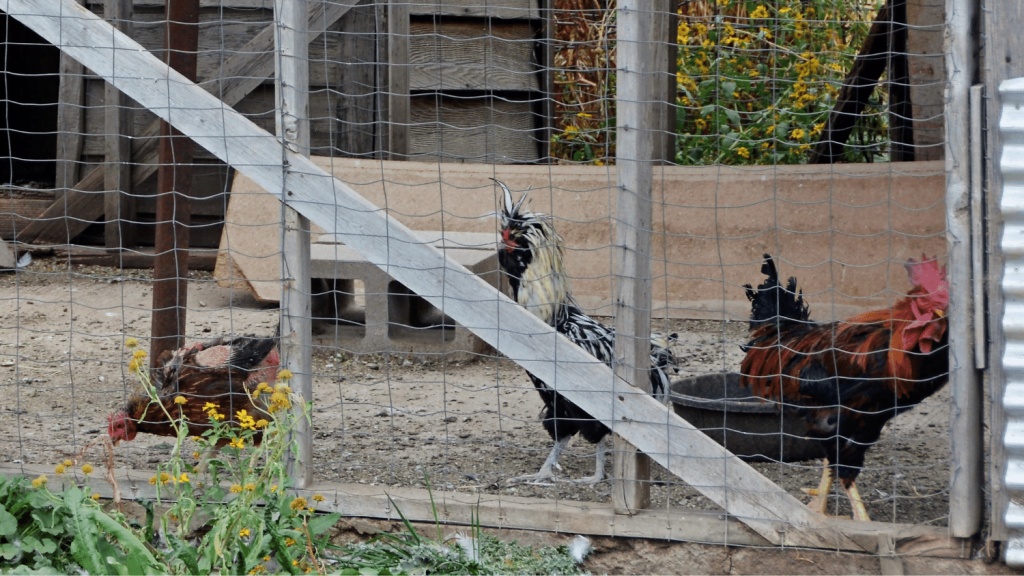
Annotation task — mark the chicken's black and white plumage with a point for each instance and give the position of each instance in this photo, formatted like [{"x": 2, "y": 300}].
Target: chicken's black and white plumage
[{"x": 531, "y": 254}]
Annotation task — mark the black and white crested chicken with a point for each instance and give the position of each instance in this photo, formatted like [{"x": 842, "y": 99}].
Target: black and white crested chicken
[{"x": 531, "y": 254}]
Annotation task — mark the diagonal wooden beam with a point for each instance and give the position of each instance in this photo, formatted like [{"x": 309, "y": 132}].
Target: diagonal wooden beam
[
  {"x": 240, "y": 74},
  {"x": 515, "y": 332}
]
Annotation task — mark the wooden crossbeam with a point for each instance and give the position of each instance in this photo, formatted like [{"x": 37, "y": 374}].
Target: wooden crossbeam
[
  {"x": 237, "y": 77},
  {"x": 637, "y": 417}
]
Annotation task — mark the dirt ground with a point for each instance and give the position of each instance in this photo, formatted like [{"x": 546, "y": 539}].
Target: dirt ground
[{"x": 379, "y": 419}]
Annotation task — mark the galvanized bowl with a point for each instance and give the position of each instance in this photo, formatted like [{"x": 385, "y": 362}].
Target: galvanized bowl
[{"x": 751, "y": 428}]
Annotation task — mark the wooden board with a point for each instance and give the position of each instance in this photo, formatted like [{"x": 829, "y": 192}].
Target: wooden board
[
  {"x": 1004, "y": 48},
  {"x": 455, "y": 509},
  {"x": 478, "y": 130},
  {"x": 472, "y": 55},
  {"x": 476, "y": 8},
  {"x": 19, "y": 207}
]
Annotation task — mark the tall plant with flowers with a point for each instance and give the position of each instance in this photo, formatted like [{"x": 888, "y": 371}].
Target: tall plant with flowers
[
  {"x": 249, "y": 468},
  {"x": 755, "y": 81}
]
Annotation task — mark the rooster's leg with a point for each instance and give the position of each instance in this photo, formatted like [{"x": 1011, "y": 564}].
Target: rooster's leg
[
  {"x": 598, "y": 467},
  {"x": 819, "y": 500},
  {"x": 545, "y": 472},
  {"x": 860, "y": 513}
]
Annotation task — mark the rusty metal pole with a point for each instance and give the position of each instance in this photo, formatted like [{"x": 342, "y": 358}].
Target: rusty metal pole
[{"x": 174, "y": 187}]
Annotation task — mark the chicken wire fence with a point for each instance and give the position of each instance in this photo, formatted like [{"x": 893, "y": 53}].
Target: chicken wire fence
[{"x": 784, "y": 128}]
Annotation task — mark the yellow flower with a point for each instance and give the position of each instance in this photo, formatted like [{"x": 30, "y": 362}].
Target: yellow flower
[
  {"x": 262, "y": 386},
  {"x": 68, "y": 463},
  {"x": 216, "y": 415},
  {"x": 87, "y": 469},
  {"x": 584, "y": 115},
  {"x": 742, "y": 151},
  {"x": 290, "y": 542},
  {"x": 165, "y": 477},
  {"x": 184, "y": 478},
  {"x": 197, "y": 439},
  {"x": 131, "y": 342},
  {"x": 273, "y": 488},
  {"x": 244, "y": 420},
  {"x": 797, "y": 134},
  {"x": 39, "y": 482},
  {"x": 285, "y": 374},
  {"x": 318, "y": 498},
  {"x": 195, "y": 455},
  {"x": 59, "y": 469},
  {"x": 237, "y": 443},
  {"x": 759, "y": 12},
  {"x": 180, "y": 400},
  {"x": 139, "y": 354},
  {"x": 571, "y": 129},
  {"x": 95, "y": 496},
  {"x": 153, "y": 480},
  {"x": 134, "y": 365},
  {"x": 261, "y": 423},
  {"x": 298, "y": 503},
  {"x": 244, "y": 532},
  {"x": 283, "y": 389},
  {"x": 236, "y": 488},
  {"x": 250, "y": 487},
  {"x": 209, "y": 406}
]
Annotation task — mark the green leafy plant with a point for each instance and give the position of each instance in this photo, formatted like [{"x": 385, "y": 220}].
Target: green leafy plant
[{"x": 755, "y": 81}]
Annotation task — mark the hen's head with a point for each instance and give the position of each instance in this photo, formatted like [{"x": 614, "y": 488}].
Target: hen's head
[
  {"x": 927, "y": 301},
  {"x": 120, "y": 427}
]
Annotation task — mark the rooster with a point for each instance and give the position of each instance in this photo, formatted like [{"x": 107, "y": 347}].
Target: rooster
[
  {"x": 222, "y": 372},
  {"x": 847, "y": 378},
  {"x": 531, "y": 254}
]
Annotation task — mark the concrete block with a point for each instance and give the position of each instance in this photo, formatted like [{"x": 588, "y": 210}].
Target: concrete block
[{"x": 383, "y": 315}]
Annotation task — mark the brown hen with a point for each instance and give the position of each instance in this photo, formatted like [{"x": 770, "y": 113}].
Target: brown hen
[{"x": 221, "y": 372}]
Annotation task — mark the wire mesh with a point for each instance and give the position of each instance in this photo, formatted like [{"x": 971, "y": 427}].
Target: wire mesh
[{"x": 416, "y": 106}]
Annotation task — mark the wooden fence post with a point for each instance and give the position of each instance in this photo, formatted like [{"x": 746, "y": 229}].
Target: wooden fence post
[
  {"x": 292, "y": 91},
  {"x": 642, "y": 58}
]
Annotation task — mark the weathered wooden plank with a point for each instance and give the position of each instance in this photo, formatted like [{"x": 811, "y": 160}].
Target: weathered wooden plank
[
  {"x": 292, "y": 82},
  {"x": 489, "y": 130},
  {"x": 476, "y": 8},
  {"x": 638, "y": 94},
  {"x": 399, "y": 145},
  {"x": 926, "y": 31},
  {"x": 241, "y": 74},
  {"x": 70, "y": 121},
  {"x": 1004, "y": 45},
  {"x": 518, "y": 512},
  {"x": 471, "y": 301},
  {"x": 966, "y": 475},
  {"x": 356, "y": 108},
  {"x": 118, "y": 202},
  {"x": 468, "y": 55}
]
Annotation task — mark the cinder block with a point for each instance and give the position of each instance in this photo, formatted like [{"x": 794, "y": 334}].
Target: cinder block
[{"x": 392, "y": 318}]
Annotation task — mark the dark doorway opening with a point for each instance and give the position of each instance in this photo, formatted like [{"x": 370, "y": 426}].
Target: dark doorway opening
[{"x": 28, "y": 116}]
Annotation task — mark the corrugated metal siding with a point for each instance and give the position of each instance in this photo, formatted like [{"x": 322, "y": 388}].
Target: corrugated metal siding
[{"x": 1011, "y": 124}]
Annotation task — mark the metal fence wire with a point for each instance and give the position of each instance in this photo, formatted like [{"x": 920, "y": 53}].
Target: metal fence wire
[{"x": 812, "y": 131}]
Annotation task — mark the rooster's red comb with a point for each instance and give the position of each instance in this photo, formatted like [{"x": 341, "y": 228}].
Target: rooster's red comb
[{"x": 927, "y": 274}]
